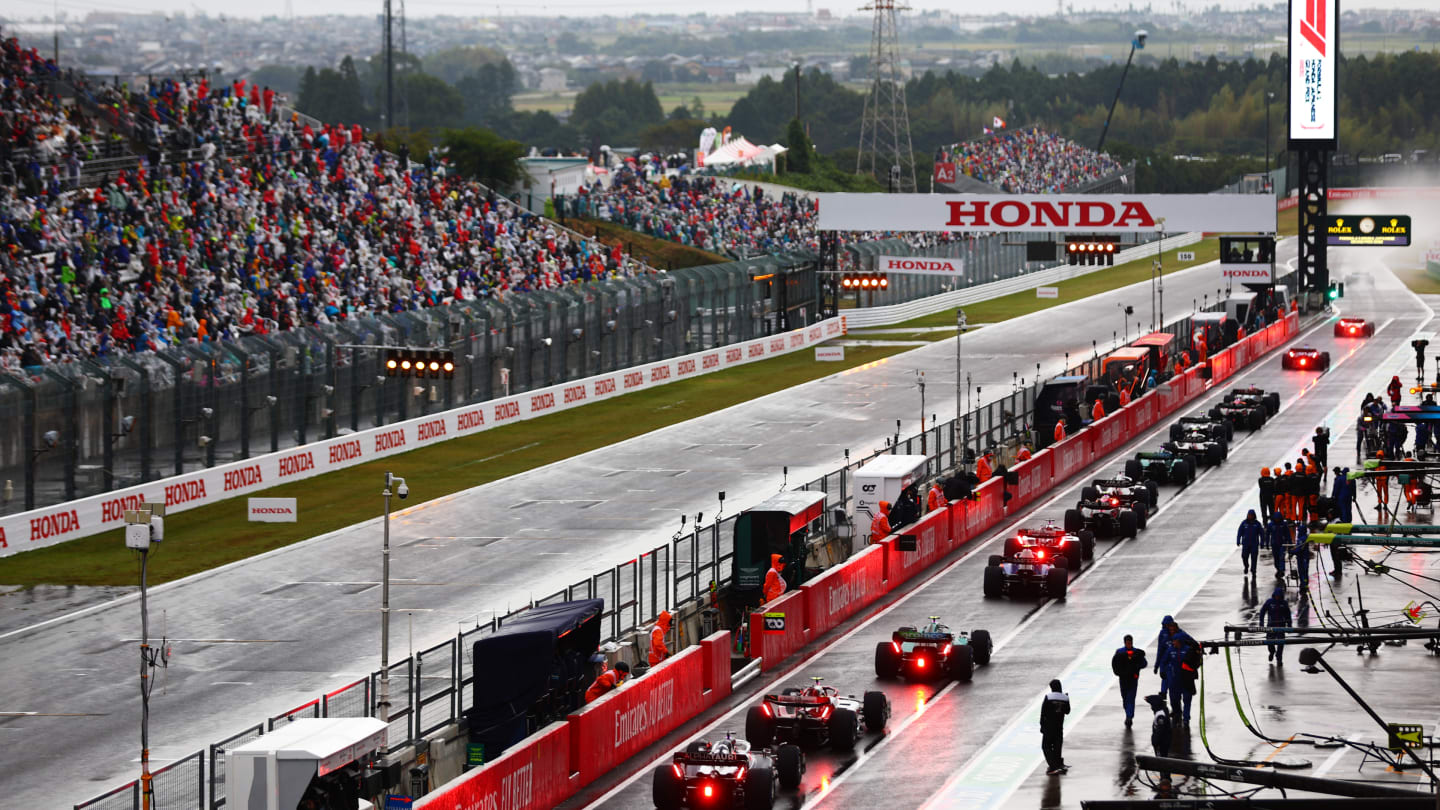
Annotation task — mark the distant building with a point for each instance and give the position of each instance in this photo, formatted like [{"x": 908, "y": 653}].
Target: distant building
[
  {"x": 753, "y": 75},
  {"x": 552, "y": 80}
]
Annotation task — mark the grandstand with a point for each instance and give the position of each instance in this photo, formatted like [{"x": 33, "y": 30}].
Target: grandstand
[
  {"x": 1031, "y": 160},
  {"x": 230, "y": 216}
]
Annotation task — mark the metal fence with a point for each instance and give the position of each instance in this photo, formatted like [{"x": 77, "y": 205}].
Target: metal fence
[{"x": 432, "y": 688}]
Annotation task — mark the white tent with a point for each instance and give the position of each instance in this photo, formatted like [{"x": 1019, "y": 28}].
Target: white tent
[
  {"x": 273, "y": 771},
  {"x": 742, "y": 152}
]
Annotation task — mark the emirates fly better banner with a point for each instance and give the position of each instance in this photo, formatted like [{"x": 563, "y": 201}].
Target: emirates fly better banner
[{"x": 1039, "y": 213}]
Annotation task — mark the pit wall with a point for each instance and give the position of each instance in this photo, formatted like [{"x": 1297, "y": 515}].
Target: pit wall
[{"x": 558, "y": 761}]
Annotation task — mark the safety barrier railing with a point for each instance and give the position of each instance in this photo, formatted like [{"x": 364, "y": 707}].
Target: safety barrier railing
[{"x": 432, "y": 688}]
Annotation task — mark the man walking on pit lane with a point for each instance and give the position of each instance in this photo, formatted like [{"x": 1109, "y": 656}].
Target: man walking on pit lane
[
  {"x": 1275, "y": 613},
  {"x": 1277, "y": 536},
  {"x": 1127, "y": 664},
  {"x": 1185, "y": 662},
  {"x": 1248, "y": 538},
  {"x": 1168, "y": 629},
  {"x": 1053, "y": 708}
]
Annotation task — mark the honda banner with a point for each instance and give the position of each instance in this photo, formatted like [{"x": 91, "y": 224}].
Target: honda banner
[
  {"x": 1040, "y": 213},
  {"x": 921, "y": 266}
]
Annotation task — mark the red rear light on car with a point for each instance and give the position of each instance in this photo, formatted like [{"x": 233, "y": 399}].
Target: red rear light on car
[
  {"x": 765, "y": 709},
  {"x": 920, "y": 663},
  {"x": 896, "y": 645},
  {"x": 946, "y": 651},
  {"x": 825, "y": 715},
  {"x": 1291, "y": 353},
  {"x": 1304, "y": 361},
  {"x": 1352, "y": 330},
  {"x": 708, "y": 790},
  {"x": 1040, "y": 553},
  {"x": 679, "y": 771},
  {"x": 740, "y": 774}
]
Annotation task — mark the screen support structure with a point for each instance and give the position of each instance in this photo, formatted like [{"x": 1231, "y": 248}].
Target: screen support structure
[
  {"x": 1313, "y": 213},
  {"x": 829, "y": 271}
]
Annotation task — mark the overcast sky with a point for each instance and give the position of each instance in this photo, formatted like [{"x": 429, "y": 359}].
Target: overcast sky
[{"x": 21, "y": 9}]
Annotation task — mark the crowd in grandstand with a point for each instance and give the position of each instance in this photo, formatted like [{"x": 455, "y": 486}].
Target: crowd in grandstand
[
  {"x": 306, "y": 225},
  {"x": 711, "y": 213},
  {"x": 1029, "y": 161}
]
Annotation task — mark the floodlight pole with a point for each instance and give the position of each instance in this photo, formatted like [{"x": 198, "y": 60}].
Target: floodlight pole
[
  {"x": 959, "y": 406},
  {"x": 383, "y": 704},
  {"x": 143, "y": 517}
]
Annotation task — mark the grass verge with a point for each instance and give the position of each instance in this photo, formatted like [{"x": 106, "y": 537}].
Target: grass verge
[
  {"x": 1025, "y": 302},
  {"x": 214, "y": 535}
]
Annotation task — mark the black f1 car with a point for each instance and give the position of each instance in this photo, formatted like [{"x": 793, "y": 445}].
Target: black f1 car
[
  {"x": 727, "y": 773},
  {"x": 1106, "y": 516},
  {"x": 933, "y": 651},
  {"x": 1031, "y": 570},
  {"x": 1354, "y": 327},
  {"x": 1305, "y": 358},
  {"x": 1217, "y": 428},
  {"x": 816, "y": 715},
  {"x": 1134, "y": 491},
  {"x": 1256, "y": 396},
  {"x": 1076, "y": 547},
  {"x": 1161, "y": 467},
  {"x": 1199, "y": 447}
]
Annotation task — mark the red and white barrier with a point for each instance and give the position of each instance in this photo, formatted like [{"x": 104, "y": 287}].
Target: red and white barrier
[
  {"x": 86, "y": 516},
  {"x": 531, "y": 776},
  {"x": 778, "y": 636},
  {"x": 624, "y": 722},
  {"x": 844, "y": 590}
]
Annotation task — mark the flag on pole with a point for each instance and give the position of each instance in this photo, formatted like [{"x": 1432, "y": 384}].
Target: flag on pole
[
  {"x": 998, "y": 123},
  {"x": 988, "y": 130}
]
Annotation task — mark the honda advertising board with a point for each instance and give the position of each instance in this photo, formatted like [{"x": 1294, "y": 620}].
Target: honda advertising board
[
  {"x": 1314, "y": 53},
  {"x": 921, "y": 266},
  {"x": 1042, "y": 213}
]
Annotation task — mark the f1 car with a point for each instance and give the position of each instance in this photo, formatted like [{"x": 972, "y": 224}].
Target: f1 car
[
  {"x": 816, "y": 715},
  {"x": 1252, "y": 395},
  {"x": 1305, "y": 358},
  {"x": 1243, "y": 415},
  {"x": 931, "y": 652},
  {"x": 1030, "y": 570},
  {"x": 1161, "y": 467},
  {"x": 1106, "y": 516},
  {"x": 727, "y": 773},
  {"x": 1217, "y": 428},
  {"x": 1199, "y": 447},
  {"x": 1354, "y": 327},
  {"x": 1074, "y": 547},
  {"x": 1134, "y": 491}
]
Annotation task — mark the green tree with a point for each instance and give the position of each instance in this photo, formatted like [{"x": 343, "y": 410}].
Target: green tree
[
  {"x": 482, "y": 155},
  {"x": 453, "y": 64},
  {"x": 486, "y": 94},
  {"x": 616, "y": 111},
  {"x": 801, "y": 153}
]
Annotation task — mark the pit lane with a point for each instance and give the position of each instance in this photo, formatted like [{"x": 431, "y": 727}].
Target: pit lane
[{"x": 936, "y": 729}]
